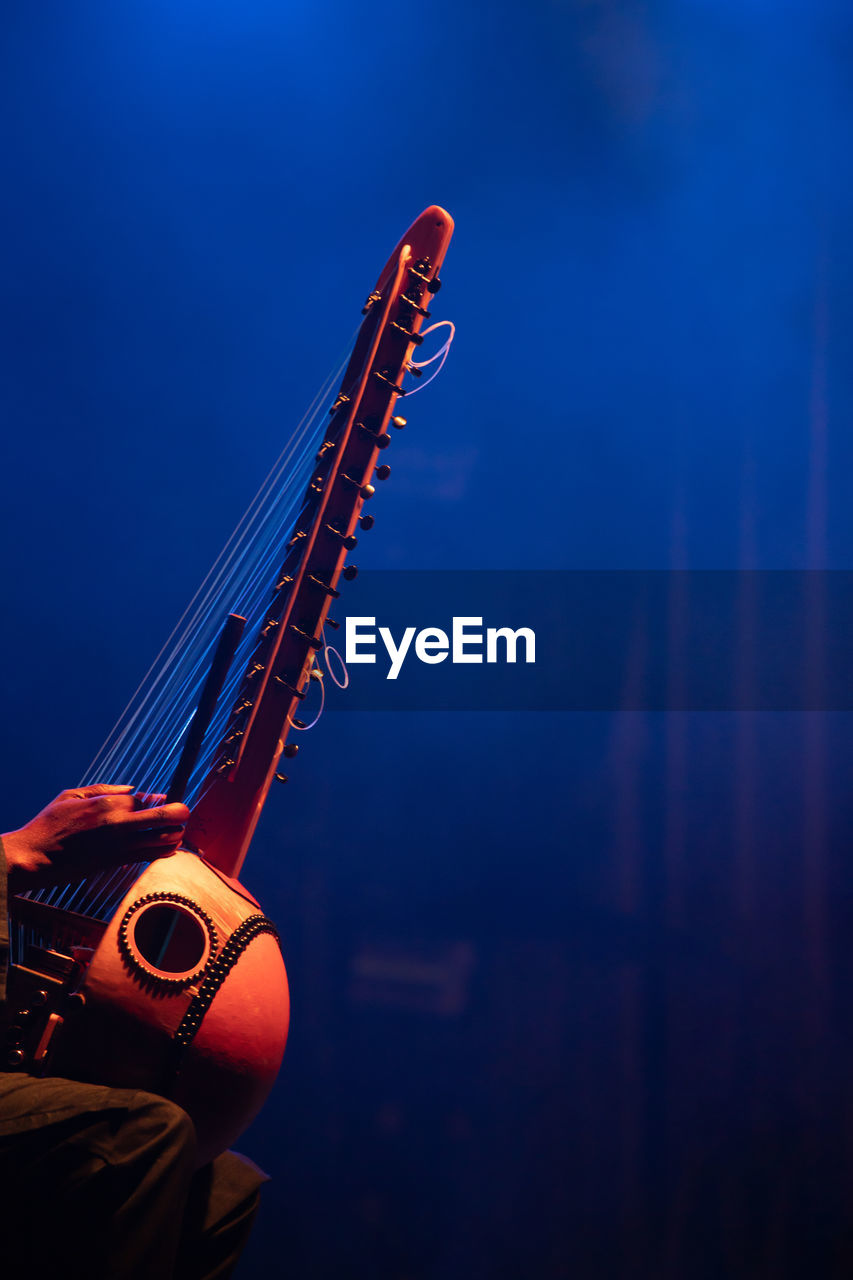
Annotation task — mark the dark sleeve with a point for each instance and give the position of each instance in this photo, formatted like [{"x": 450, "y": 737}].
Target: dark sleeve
[{"x": 4, "y": 925}]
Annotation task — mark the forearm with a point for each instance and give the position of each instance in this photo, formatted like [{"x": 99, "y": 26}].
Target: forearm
[
  {"x": 24, "y": 861},
  {"x": 13, "y": 867}
]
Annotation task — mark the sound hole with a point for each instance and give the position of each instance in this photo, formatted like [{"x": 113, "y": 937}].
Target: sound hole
[{"x": 170, "y": 939}]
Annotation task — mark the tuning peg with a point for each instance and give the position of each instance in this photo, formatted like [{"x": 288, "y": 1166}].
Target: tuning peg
[
  {"x": 365, "y": 490},
  {"x": 303, "y": 635},
  {"x": 434, "y": 285},
  {"x": 413, "y": 303},
  {"x": 350, "y": 572},
  {"x": 330, "y": 622},
  {"x": 381, "y": 441},
  {"x": 416, "y": 338},
  {"x": 399, "y": 422},
  {"x": 297, "y": 693},
  {"x": 349, "y": 540},
  {"x": 383, "y": 472},
  {"x": 326, "y": 586},
  {"x": 367, "y": 522},
  {"x": 384, "y": 376},
  {"x": 291, "y": 749}
]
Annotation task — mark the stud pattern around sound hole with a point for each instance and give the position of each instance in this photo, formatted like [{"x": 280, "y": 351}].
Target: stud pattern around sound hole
[{"x": 196, "y": 943}]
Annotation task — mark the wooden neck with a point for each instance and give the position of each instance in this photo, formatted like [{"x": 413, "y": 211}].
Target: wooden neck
[{"x": 278, "y": 673}]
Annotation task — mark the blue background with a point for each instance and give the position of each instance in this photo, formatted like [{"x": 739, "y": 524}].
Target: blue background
[{"x": 647, "y": 916}]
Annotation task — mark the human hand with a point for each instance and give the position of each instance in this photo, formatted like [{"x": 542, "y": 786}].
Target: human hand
[{"x": 89, "y": 828}]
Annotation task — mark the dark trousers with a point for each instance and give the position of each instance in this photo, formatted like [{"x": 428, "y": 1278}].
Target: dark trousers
[{"x": 102, "y": 1183}]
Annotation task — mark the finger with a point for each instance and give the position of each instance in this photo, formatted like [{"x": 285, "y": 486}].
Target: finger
[
  {"x": 108, "y": 810},
  {"x": 114, "y": 840},
  {"x": 165, "y": 815},
  {"x": 105, "y": 807},
  {"x": 96, "y": 854},
  {"x": 129, "y": 834},
  {"x": 133, "y": 841},
  {"x": 89, "y": 813},
  {"x": 148, "y": 799},
  {"x": 96, "y": 789}
]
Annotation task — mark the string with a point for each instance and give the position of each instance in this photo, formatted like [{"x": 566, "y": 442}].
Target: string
[
  {"x": 247, "y": 596},
  {"x": 344, "y": 683},
  {"x": 224, "y": 571},
  {"x": 303, "y": 728},
  {"x": 317, "y": 672},
  {"x": 441, "y": 354},
  {"x": 145, "y": 722},
  {"x": 105, "y": 757},
  {"x": 96, "y": 893},
  {"x": 262, "y": 566},
  {"x": 143, "y": 736},
  {"x": 144, "y": 732},
  {"x": 224, "y": 568}
]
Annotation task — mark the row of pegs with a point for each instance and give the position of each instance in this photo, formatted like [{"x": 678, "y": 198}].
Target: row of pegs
[{"x": 350, "y": 571}]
